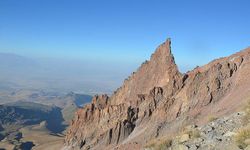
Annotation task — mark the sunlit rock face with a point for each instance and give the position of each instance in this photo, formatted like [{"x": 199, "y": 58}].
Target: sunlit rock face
[{"x": 157, "y": 100}]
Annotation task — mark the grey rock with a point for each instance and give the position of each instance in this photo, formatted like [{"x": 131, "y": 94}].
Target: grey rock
[
  {"x": 229, "y": 134},
  {"x": 192, "y": 147}
]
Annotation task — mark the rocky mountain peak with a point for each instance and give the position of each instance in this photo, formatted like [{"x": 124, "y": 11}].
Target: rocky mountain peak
[
  {"x": 163, "y": 51},
  {"x": 159, "y": 71},
  {"x": 163, "y": 56},
  {"x": 157, "y": 100}
]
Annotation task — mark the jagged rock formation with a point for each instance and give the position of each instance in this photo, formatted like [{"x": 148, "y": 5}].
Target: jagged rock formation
[{"x": 157, "y": 100}]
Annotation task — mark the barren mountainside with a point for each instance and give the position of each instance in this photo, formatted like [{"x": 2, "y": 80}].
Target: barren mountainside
[{"x": 157, "y": 100}]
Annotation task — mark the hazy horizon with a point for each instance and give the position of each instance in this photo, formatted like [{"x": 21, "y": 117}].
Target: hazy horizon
[
  {"x": 22, "y": 72},
  {"x": 86, "y": 40}
]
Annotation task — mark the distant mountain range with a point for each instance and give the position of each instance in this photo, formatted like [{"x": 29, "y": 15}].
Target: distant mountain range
[
  {"x": 20, "y": 114},
  {"x": 15, "y": 117},
  {"x": 46, "y": 113},
  {"x": 68, "y": 103},
  {"x": 34, "y": 95}
]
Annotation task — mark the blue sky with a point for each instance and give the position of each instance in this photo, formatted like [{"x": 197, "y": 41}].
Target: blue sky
[{"x": 124, "y": 31}]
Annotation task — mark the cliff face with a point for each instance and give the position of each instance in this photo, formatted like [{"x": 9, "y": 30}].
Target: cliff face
[
  {"x": 159, "y": 71},
  {"x": 157, "y": 100}
]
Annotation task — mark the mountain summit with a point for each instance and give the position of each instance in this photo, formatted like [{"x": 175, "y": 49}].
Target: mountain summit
[
  {"x": 157, "y": 100},
  {"x": 159, "y": 71}
]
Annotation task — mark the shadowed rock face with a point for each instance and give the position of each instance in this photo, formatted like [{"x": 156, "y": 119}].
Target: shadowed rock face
[{"x": 157, "y": 99}]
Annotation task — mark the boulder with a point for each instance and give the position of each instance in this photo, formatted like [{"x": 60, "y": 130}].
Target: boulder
[{"x": 184, "y": 138}]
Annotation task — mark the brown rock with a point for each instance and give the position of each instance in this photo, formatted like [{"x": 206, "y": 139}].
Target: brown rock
[{"x": 157, "y": 100}]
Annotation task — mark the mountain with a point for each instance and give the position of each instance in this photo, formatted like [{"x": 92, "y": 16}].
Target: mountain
[
  {"x": 158, "y": 101},
  {"x": 27, "y": 116},
  {"x": 68, "y": 103},
  {"x": 25, "y": 124},
  {"x": 19, "y": 114}
]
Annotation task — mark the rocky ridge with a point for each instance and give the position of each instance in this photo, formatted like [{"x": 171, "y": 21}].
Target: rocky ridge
[{"x": 158, "y": 100}]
